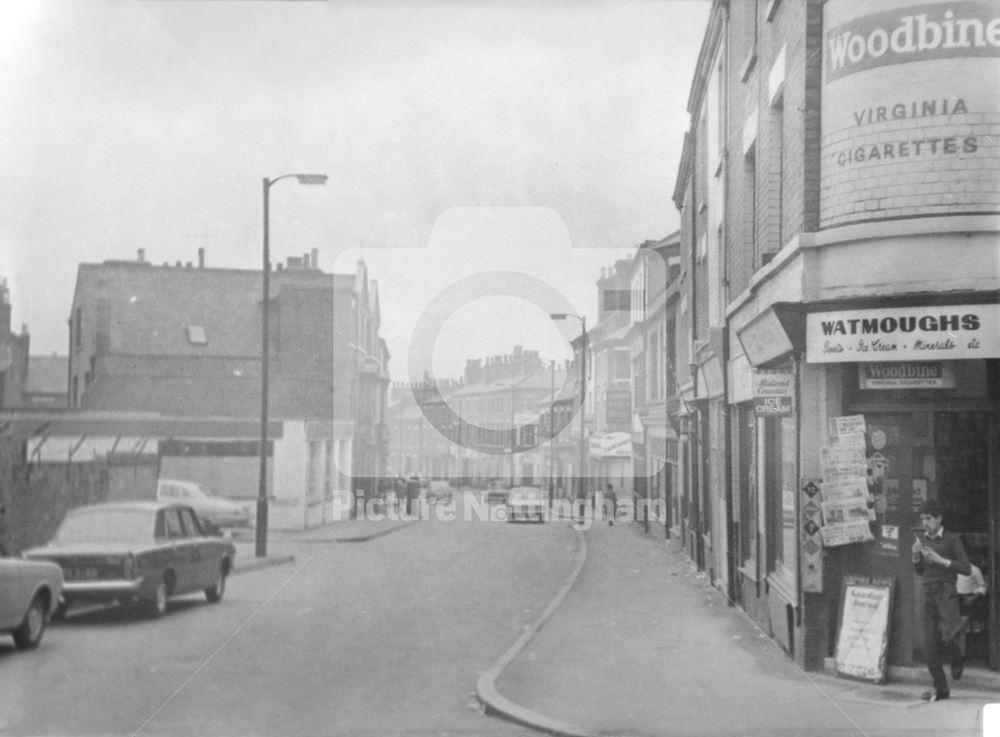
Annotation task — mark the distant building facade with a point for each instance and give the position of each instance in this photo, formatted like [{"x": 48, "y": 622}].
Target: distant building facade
[
  {"x": 184, "y": 341},
  {"x": 13, "y": 355},
  {"x": 491, "y": 424},
  {"x": 47, "y": 386}
]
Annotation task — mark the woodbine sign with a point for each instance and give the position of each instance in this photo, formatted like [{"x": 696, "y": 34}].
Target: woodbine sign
[
  {"x": 913, "y": 34},
  {"x": 936, "y": 333},
  {"x": 910, "y": 111}
]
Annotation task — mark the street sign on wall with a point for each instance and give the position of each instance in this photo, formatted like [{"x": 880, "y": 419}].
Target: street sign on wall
[{"x": 773, "y": 393}]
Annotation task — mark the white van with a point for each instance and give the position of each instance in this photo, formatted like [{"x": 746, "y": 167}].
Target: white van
[{"x": 213, "y": 510}]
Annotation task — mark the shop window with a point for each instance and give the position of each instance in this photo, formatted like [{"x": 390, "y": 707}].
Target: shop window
[
  {"x": 781, "y": 479},
  {"x": 746, "y": 475}
]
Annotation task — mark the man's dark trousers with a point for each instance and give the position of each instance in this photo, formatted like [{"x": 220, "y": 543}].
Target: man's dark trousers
[{"x": 942, "y": 625}]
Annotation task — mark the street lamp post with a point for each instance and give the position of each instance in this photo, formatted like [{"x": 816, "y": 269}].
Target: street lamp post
[
  {"x": 552, "y": 433},
  {"x": 260, "y": 543},
  {"x": 580, "y": 491}
]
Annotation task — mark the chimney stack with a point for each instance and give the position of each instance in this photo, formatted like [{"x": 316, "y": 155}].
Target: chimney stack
[
  {"x": 201, "y": 258},
  {"x": 4, "y": 308},
  {"x": 140, "y": 255},
  {"x": 315, "y": 258}
]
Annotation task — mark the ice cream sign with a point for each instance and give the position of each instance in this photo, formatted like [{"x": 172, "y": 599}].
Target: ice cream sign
[
  {"x": 943, "y": 332},
  {"x": 773, "y": 393}
]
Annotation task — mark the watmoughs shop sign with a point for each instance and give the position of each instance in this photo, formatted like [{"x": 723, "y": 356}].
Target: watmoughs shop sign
[
  {"x": 910, "y": 110},
  {"x": 942, "y": 332}
]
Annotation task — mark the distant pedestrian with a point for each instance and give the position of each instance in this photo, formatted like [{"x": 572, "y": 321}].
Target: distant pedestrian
[
  {"x": 939, "y": 557},
  {"x": 611, "y": 503},
  {"x": 412, "y": 492}
]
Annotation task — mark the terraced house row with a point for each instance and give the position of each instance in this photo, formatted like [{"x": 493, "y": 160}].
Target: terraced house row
[{"x": 838, "y": 319}]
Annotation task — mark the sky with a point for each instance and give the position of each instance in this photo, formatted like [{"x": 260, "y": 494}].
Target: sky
[{"x": 485, "y": 159}]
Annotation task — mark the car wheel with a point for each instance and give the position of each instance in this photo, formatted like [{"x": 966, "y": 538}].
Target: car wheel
[
  {"x": 157, "y": 606},
  {"x": 216, "y": 591},
  {"x": 29, "y": 634}
]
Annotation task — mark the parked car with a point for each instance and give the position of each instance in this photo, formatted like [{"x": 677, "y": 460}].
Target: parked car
[
  {"x": 439, "y": 491},
  {"x": 138, "y": 552},
  {"x": 29, "y": 595},
  {"x": 526, "y": 502},
  {"x": 214, "y": 511},
  {"x": 496, "y": 492}
]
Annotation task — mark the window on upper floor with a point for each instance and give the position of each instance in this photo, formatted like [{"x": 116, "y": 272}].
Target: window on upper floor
[
  {"x": 621, "y": 366},
  {"x": 750, "y": 197},
  {"x": 77, "y": 326},
  {"x": 196, "y": 335},
  {"x": 655, "y": 378},
  {"x": 638, "y": 293}
]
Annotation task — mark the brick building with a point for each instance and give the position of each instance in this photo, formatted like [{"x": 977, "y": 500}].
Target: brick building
[
  {"x": 839, "y": 194},
  {"x": 184, "y": 341}
]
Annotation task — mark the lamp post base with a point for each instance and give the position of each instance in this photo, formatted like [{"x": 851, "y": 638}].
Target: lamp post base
[{"x": 260, "y": 547}]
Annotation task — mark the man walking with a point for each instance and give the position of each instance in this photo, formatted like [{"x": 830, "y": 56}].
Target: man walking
[
  {"x": 610, "y": 503},
  {"x": 938, "y": 558}
]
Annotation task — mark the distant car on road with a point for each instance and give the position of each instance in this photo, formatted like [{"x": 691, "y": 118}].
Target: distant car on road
[
  {"x": 214, "y": 511},
  {"x": 137, "y": 552},
  {"x": 439, "y": 491},
  {"x": 526, "y": 502},
  {"x": 496, "y": 492},
  {"x": 29, "y": 595}
]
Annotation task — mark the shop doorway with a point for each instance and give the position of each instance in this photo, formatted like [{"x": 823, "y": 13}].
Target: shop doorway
[
  {"x": 962, "y": 443},
  {"x": 948, "y": 456}
]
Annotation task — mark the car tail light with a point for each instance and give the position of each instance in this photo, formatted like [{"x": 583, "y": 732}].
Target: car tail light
[{"x": 128, "y": 566}]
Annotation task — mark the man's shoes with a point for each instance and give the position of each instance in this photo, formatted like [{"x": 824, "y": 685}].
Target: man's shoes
[
  {"x": 935, "y": 695},
  {"x": 957, "y": 668}
]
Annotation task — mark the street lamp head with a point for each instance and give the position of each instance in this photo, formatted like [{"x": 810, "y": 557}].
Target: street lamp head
[
  {"x": 319, "y": 179},
  {"x": 558, "y": 315}
]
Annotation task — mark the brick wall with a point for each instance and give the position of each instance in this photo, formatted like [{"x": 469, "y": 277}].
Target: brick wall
[
  {"x": 906, "y": 136},
  {"x": 773, "y": 139}
]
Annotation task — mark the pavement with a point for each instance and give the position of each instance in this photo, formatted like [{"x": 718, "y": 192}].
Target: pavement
[
  {"x": 638, "y": 642},
  {"x": 281, "y": 544}
]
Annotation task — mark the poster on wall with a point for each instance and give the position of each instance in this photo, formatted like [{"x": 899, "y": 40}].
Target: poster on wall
[
  {"x": 812, "y": 542},
  {"x": 863, "y": 634},
  {"x": 846, "y": 501}
]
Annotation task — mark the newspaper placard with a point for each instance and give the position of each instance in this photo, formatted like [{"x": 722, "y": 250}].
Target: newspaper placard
[
  {"x": 854, "y": 440},
  {"x": 845, "y": 491},
  {"x": 842, "y": 512},
  {"x": 846, "y": 501},
  {"x": 857, "y": 531},
  {"x": 844, "y": 473},
  {"x": 833, "y": 455},
  {"x": 848, "y": 425},
  {"x": 863, "y": 635}
]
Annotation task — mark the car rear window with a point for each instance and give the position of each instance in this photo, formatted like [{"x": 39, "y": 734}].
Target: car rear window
[{"x": 107, "y": 524}]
